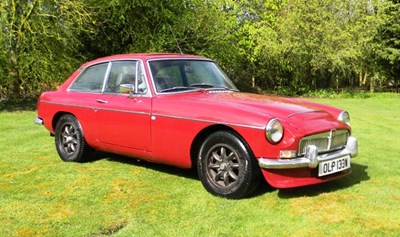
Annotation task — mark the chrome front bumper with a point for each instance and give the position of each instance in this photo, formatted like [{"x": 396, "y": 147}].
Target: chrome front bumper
[
  {"x": 311, "y": 159},
  {"x": 38, "y": 121}
]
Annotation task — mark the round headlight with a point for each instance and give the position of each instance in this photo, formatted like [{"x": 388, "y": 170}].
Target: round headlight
[
  {"x": 274, "y": 131},
  {"x": 344, "y": 116}
]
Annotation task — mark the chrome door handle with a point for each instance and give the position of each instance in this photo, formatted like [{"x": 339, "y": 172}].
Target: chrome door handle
[{"x": 101, "y": 101}]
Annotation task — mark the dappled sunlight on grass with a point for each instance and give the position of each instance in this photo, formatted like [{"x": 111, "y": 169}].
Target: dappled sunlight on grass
[{"x": 328, "y": 208}]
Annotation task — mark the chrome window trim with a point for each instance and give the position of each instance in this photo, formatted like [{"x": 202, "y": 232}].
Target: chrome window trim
[
  {"x": 82, "y": 70},
  {"x": 143, "y": 71},
  {"x": 107, "y": 76},
  {"x": 137, "y": 75},
  {"x": 148, "y": 92}
]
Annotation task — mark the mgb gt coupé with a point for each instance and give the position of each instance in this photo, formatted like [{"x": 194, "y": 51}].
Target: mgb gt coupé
[{"x": 182, "y": 110}]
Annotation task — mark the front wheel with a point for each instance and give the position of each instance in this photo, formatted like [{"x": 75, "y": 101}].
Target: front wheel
[
  {"x": 226, "y": 167},
  {"x": 69, "y": 140}
]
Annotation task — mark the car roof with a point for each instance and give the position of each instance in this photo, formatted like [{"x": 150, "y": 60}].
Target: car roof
[{"x": 144, "y": 57}]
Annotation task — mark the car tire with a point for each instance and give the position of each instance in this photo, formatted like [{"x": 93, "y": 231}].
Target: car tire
[
  {"x": 226, "y": 166},
  {"x": 69, "y": 140}
]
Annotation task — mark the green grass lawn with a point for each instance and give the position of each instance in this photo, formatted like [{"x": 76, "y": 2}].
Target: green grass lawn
[{"x": 42, "y": 196}]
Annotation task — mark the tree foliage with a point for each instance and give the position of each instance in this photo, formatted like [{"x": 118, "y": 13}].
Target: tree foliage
[
  {"x": 288, "y": 46},
  {"x": 156, "y": 26},
  {"x": 40, "y": 43},
  {"x": 304, "y": 45},
  {"x": 388, "y": 40}
]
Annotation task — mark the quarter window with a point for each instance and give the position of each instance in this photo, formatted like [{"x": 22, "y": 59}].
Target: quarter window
[{"x": 91, "y": 80}]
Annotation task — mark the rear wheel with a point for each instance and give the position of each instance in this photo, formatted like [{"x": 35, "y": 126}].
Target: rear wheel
[
  {"x": 226, "y": 167},
  {"x": 69, "y": 140}
]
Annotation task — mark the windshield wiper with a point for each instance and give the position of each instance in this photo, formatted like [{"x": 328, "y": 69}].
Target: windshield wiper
[
  {"x": 211, "y": 87},
  {"x": 201, "y": 85},
  {"x": 197, "y": 86},
  {"x": 176, "y": 88},
  {"x": 224, "y": 88}
]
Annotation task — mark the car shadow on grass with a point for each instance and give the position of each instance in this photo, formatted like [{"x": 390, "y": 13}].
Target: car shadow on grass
[
  {"x": 262, "y": 188},
  {"x": 358, "y": 175},
  {"x": 186, "y": 173}
]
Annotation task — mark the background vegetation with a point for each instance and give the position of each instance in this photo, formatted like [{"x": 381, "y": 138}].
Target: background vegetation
[
  {"x": 284, "y": 46},
  {"x": 117, "y": 196}
]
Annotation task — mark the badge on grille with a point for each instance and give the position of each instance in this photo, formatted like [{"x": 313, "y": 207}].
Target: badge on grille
[{"x": 332, "y": 135}]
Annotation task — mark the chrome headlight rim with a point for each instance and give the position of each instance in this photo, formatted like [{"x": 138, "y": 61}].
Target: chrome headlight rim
[
  {"x": 274, "y": 131},
  {"x": 344, "y": 117}
]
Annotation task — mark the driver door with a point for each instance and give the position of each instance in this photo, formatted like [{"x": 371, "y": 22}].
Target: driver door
[{"x": 124, "y": 109}]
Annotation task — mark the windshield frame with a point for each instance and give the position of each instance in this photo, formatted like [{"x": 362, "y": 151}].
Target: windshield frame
[{"x": 190, "y": 89}]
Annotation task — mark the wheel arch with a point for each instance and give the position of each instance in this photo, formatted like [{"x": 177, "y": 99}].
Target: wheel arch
[
  {"x": 70, "y": 146},
  {"x": 57, "y": 117},
  {"x": 204, "y": 133}
]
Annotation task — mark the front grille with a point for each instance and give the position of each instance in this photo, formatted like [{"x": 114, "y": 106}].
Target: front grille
[{"x": 325, "y": 142}]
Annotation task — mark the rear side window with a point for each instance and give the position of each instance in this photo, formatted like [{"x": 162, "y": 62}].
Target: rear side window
[{"x": 91, "y": 80}]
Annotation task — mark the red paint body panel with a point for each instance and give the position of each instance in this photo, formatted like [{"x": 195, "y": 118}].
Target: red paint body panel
[
  {"x": 291, "y": 178},
  {"x": 162, "y": 127},
  {"x": 125, "y": 122}
]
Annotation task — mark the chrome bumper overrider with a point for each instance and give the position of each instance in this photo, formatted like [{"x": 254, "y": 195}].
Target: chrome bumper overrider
[
  {"x": 311, "y": 159},
  {"x": 38, "y": 121}
]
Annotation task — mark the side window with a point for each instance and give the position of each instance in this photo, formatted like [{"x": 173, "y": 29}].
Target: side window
[
  {"x": 91, "y": 80},
  {"x": 122, "y": 78}
]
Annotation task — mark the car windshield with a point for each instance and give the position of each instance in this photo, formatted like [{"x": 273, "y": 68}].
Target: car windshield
[{"x": 174, "y": 75}]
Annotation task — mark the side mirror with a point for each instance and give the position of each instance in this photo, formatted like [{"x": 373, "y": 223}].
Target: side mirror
[{"x": 126, "y": 88}]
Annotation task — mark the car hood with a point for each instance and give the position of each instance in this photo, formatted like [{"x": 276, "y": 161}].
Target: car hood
[
  {"x": 303, "y": 115},
  {"x": 254, "y": 110},
  {"x": 273, "y": 106}
]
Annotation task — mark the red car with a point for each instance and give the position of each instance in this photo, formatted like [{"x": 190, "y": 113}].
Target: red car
[{"x": 182, "y": 110}]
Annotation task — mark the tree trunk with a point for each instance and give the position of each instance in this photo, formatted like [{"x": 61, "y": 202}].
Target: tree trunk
[
  {"x": 337, "y": 83},
  {"x": 372, "y": 85},
  {"x": 365, "y": 79},
  {"x": 15, "y": 75}
]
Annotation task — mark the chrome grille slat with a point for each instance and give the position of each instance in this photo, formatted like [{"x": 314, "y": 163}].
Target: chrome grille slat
[
  {"x": 339, "y": 141},
  {"x": 325, "y": 142}
]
